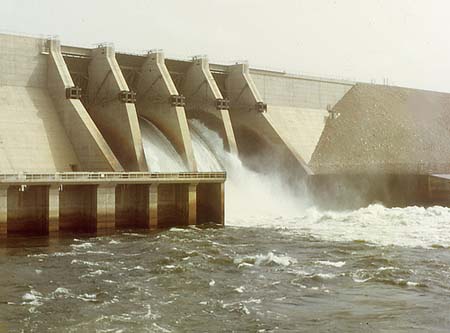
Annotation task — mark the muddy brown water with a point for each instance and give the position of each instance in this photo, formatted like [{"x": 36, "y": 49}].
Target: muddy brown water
[{"x": 232, "y": 279}]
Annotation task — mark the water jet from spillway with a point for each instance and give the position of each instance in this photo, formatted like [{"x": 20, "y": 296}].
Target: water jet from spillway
[
  {"x": 159, "y": 152},
  {"x": 249, "y": 194}
]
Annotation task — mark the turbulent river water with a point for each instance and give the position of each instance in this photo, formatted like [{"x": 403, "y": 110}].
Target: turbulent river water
[{"x": 279, "y": 265}]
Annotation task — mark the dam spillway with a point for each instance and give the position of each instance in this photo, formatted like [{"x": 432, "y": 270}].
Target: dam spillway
[{"x": 79, "y": 112}]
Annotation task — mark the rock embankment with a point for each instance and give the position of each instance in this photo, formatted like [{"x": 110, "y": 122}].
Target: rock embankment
[{"x": 382, "y": 129}]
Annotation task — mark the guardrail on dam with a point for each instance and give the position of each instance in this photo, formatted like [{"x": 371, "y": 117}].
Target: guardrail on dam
[{"x": 49, "y": 203}]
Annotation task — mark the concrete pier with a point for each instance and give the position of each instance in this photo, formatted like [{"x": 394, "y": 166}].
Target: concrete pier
[
  {"x": 159, "y": 101},
  {"x": 205, "y": 102},
  {"x": 3, "y": 211},
  {"x": 93, "y": 152},
  {"x": 153, "y": 206},
  {"x": 105, "y": 207},
  {"x": 53, "y": 209},
  {"x": 192, "y": 204},
  {"x": 49, "y": 204},
  {"x": 111, "y": 106}
]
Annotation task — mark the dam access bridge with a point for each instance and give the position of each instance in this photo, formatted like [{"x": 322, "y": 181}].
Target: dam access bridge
[{"x": 72, "y": 150}]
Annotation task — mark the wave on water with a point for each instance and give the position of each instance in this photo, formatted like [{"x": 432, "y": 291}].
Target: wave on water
[
  {"x": 261, "y": 200},
  {"x": 376, "y": 224},
  {"x": 261, "y": 259}
]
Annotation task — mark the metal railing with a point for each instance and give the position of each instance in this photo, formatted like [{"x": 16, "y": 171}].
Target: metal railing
[{"x": 108, "y": 176}]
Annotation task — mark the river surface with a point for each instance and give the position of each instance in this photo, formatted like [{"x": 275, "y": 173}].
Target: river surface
[
  {"x": 373, "y": 270},
  {"x": 279, "y": 265}
]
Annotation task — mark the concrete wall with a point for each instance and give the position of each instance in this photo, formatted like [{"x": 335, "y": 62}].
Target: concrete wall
[
  {"x": 154, "y": 89},
  {"x": 117, "y": 121},
  {"x": 133, "y": 206},
  {"x": 260, "y": 144},
  {"x": 77, "y": 208},
  {"x": 28, "y": 210},
  {"x": 295, "y": 91},
  {"x": 173, "y": 205},
  {"x": 92, "y": 150},
  {"x": 210, "y": 203},
  {"x": 21, "y": 62},
  {"x": 298, "y": 106},
  {"x": 32, "y": 137},
  {"x": 300, "y": 128}
]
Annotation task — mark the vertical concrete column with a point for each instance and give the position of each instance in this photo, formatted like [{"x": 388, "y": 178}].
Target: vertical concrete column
[
  {"x": 3, "y": 211},
  {"x": 155, "y": 102},
  {"x": 106, "y": 207},
  {"x": 112, "y": 109},
  {"x": 153, "y": 206},
  {"x": 53, "y": 209},
  {"x": 203, "y": 95},
  {"x": 192, "y": 204},
  {"x": 222, "y": 203},
  {"x": 92, "y": 151}
]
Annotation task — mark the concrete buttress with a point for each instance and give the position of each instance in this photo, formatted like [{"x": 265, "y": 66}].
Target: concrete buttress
[
  {"x": 92, "y": 151},
  {"x": 256, "y": 136},
  {"x": 203, "y": 96},
  {"x": 112, "y": 109},
  {"x": 158, "y": 101}
]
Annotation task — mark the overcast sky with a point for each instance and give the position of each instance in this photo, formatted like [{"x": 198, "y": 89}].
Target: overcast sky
[{"x": 406, "y": 41}]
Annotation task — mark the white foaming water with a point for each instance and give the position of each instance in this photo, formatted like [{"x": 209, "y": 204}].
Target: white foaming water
[
  {"x": 256, "y": 200},
  {"x": 408, "y": 227},
  {"x": 159, "y": 152},
  {"x": 248, "y": 194},
  {"x": 206, "y": 161}
]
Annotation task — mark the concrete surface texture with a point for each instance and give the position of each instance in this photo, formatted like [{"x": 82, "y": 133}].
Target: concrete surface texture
[
  {"x": 383, "y": 129},
  {"x": 3, "y": 210},
  {"x": 93, "y": 152},
  {"x": 300, "y": 128},
  {"x": 32, "y": 137},
  {"x": 255, "y": 133},
  {"x": 201, "y": 92},
  {"x": 116, "y": 120},
  {"x": 154, "y": 89},
  {"x": 283, "y": 89}
]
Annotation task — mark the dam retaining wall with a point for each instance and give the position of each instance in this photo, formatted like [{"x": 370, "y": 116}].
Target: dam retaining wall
[{"x": 73, "y": 109}]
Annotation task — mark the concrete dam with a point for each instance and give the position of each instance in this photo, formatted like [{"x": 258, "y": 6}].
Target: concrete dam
[{"x": 92, "y": 139}]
